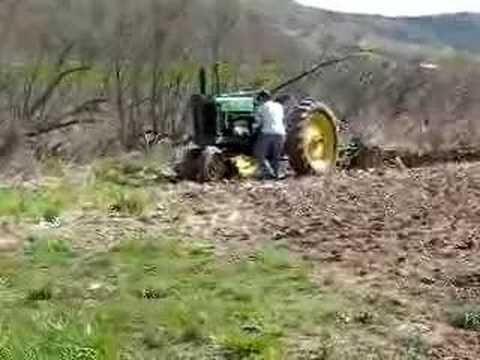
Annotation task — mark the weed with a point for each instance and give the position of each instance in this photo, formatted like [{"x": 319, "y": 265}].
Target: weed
[
  {"x": 130, "y": 173},
  {"x": 465, "y": 317},
  {"x": 415, "y": 348},
  {"x": 49, "y": 251},
  {"x": 115, "y": 171},
  {"x": 133, "y": 202},
  {"x": 41, "y": 294},
  {"x": 53, "y": 166}
]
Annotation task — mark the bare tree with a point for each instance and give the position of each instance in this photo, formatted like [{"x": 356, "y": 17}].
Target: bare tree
[
  {"x": 225, "y": 16},
  {"x": 159, "y": 33}
]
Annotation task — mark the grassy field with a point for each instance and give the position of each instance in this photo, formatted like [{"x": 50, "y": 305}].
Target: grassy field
[
  {"x": 161, "y": 298},
  {"x": 158, "y": 296}
]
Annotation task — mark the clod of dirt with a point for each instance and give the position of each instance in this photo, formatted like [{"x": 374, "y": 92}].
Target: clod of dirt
[
  {"x": 9, "y": 240},
  {"x": 406, "y": 331}
]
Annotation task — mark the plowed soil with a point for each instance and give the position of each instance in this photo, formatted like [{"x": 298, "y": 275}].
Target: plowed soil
[{"x": 411, "y": 237}]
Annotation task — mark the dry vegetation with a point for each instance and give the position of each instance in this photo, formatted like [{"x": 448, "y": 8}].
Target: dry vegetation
[{"x": 90, "y": 91}]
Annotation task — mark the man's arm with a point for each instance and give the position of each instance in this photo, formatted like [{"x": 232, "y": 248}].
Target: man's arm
[{"x": 259, "y": 116}]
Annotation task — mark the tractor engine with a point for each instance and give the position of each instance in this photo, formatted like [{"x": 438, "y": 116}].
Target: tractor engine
[{"x": 225, "y": 120}]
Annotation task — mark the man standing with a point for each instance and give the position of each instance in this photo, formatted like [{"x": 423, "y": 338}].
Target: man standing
[{"x": 268, "y": 149}]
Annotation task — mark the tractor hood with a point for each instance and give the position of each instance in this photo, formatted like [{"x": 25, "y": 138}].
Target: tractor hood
[{"x": 237, "y": 102}]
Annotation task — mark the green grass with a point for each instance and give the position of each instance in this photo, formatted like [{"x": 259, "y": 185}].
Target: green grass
[
  {"x": 159, "y": 299},
  {"x": 119, "y": 199},
  {"x": 50, "y": 201},
  {"x": 131, "y": 173},
  {"x": 40, "y": 204}
]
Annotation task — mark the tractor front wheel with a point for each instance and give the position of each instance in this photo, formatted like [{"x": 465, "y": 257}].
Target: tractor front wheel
[
  {"x": 213, "y": 167},
  {"x": 203, "y": 165}
]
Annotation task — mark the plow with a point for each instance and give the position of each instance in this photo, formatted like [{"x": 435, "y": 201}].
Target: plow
[{"x": 224, "y": 137}]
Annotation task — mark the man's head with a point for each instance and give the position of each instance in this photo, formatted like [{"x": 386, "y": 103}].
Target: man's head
[
  {"x": 283, "y": 99},
  {"x": 264, "y": 96}
]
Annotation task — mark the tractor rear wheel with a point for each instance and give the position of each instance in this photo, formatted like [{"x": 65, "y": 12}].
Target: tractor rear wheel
[{"x": 312, "y": 138}]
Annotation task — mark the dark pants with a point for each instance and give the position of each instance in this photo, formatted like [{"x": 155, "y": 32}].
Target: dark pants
[{"x": 268, "y": 152}]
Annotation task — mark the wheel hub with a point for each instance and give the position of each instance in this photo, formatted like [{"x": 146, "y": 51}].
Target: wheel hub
[
  {"x": 246, "y": 166},
  {"x": 217, "y": 169},
  {"x": 320, "y": 142}
]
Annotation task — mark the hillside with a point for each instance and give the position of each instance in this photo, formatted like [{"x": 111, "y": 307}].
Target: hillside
[
  {"x": 281, "y": 25},
  {"x": 316, "y": 27}
]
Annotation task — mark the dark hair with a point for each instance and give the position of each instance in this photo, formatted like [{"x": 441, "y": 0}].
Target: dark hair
[
  {"x": 264, "y": 95},
  {"x": 283, "y": 99}
]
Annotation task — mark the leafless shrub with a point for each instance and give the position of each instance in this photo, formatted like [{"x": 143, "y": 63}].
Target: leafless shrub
[
  {"x": 402, "y": 104},
  {"x": 135, "y": 52}
]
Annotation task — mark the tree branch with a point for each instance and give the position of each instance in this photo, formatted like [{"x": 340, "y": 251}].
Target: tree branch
[
  {"x": 47, "y": 94},
  {"x": 64, "y": 54},
  {"x": 60, "y": 126},
  {"x": 86, "y": 106}
]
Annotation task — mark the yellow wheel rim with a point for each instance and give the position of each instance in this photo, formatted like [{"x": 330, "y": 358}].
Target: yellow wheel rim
[
  {"x": 246, "y": 166},
  {"x": 320, "y": 141}
]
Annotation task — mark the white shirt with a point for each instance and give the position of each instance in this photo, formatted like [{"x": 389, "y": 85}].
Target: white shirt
[{"x": 270, "y": 117}]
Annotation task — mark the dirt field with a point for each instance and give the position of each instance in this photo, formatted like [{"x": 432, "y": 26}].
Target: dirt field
[
  {"x": 406, "y": 241},
  {"x": 407, "y": 237}
]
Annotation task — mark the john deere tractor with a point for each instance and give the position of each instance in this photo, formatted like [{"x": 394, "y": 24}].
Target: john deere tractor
[{"x": 224, "y": 135}]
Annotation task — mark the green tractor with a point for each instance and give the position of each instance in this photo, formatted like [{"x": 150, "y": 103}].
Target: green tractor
[{"x": 224, "y": 135}]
